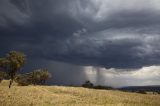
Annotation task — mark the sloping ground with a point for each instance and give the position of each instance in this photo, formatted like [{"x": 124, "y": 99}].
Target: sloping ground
[
  {"x": 6, "y": 83},
  {"x": 71, "y": 96}
]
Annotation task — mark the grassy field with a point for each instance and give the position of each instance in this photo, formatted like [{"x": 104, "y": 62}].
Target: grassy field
[{"x": 71, "y": 96}]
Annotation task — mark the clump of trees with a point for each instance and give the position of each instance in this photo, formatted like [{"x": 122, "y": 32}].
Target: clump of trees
[
  {"x": 142, "y": 92},
  {"x": 37, "y": 77},
  {"x": 13, "y": 62},
  {"x": 3, "y": 75},
  {"x": 88, "y": 84}
]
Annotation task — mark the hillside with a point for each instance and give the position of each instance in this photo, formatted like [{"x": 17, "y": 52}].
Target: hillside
[{"x": 71, "y": 96}]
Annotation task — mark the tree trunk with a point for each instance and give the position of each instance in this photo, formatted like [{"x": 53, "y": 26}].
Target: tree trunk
[
  {"x": 10, "y": 83},
  {"x": 11, "y": 80}
]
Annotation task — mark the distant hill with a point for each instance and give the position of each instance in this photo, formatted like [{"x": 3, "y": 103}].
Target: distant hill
[{"x": 152, "y": 88}]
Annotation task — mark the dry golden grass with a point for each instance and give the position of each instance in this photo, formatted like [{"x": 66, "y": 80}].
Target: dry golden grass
[
  {"x": 71, "y": 96},
  {"x": 6, "y": 83}
]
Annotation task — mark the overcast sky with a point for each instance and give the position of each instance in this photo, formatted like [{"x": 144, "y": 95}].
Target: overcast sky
[{"x": 110, "y": 42}]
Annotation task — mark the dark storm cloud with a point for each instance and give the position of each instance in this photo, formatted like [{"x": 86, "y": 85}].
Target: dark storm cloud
[{"x": 100, "y": 33}]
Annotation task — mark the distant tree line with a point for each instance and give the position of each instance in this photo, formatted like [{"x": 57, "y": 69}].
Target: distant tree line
[
  {"x": 12, "y": 63},
  {"x": 89, "y": 84}
]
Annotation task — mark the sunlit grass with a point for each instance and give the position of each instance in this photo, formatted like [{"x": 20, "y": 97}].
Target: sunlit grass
[{"x": 71, "y": 96}]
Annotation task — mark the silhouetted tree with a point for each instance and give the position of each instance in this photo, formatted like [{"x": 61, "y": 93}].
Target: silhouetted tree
[
  {"x": 12, "y": 63},
  {"x": 40, "y": 76},
  {"x": 88, "y": 84}
]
